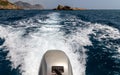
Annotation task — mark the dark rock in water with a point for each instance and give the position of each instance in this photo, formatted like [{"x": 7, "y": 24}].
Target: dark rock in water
[
  {"x": 61, "y": 7},
  {"x": 5, "y": 4},
  {"x": 28, "y": 6}
]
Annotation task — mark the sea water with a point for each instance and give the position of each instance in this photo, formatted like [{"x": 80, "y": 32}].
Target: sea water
[{"x": 90, "y": 38}]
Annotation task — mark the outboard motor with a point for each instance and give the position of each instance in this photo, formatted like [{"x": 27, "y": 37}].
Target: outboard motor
[{"x": 55, "y": 62}]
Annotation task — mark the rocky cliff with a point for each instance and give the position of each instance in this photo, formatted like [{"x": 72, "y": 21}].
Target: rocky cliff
[
  {"x": 5, "y": 4},
  {"x": 61, "y": 7},
  {"x": 28, "y": 6}
]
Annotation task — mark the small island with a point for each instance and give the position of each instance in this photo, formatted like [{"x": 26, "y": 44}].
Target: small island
[{"x": 61, "y": 7}]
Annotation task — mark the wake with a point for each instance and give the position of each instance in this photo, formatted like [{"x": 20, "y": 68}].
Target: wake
[{"x": 27, "y": 44}]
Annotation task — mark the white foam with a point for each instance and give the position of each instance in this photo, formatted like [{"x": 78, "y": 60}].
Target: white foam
[
  {"x": 28, "y": 51},
  {"x": 119, "y": 49},
  {"x": 111, "y": 31}
]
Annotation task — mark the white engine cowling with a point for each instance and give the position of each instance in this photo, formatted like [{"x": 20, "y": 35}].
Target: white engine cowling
[{"x": 55, "y": 62}]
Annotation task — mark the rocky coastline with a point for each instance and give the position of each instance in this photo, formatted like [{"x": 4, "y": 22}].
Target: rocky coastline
[{"x": 5, "y": 4}]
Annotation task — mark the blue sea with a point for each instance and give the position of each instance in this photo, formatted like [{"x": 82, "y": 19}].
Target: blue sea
[{"x": 90, "y": 38}]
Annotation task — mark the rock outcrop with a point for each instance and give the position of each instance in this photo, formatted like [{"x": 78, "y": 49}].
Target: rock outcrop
[
  {"x": 61, "y": 7},
  {"x": 5, "y": 4},
  {"x": 28, "y": 6}
]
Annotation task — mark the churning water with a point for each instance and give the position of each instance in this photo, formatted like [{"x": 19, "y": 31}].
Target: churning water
[{"x": 91, "y": 39}]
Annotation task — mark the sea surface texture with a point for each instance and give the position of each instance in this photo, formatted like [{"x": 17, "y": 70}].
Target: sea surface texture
[{"x": 90, "y": 38}]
